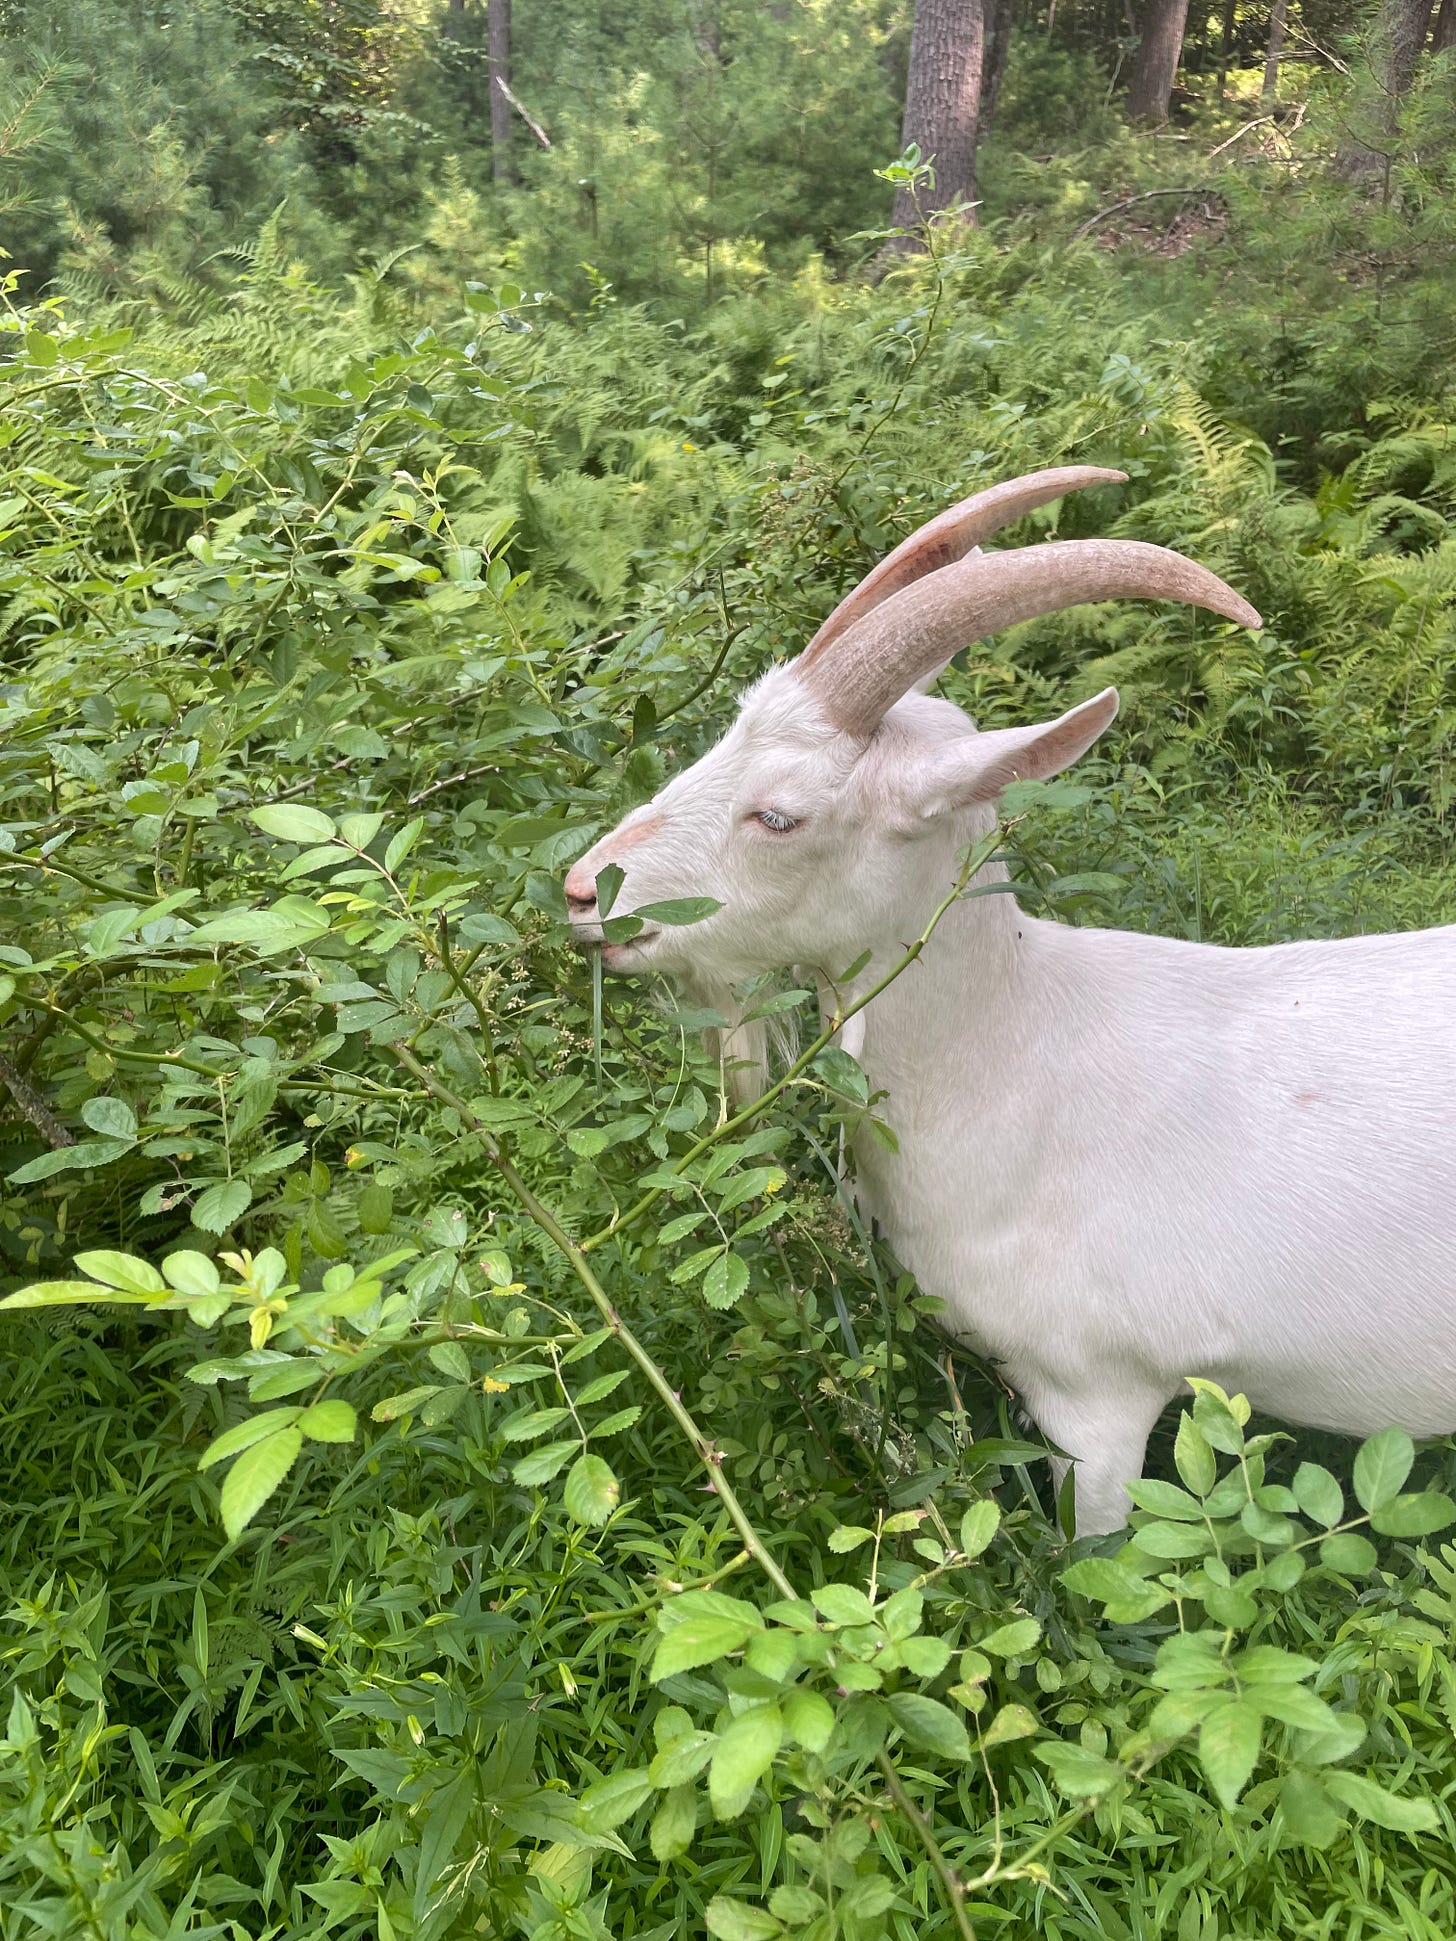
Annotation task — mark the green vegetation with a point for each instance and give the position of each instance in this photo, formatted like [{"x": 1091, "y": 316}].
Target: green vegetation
[{"x": 460, "y": 1479}]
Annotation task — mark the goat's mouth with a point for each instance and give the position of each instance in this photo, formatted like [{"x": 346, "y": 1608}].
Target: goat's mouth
[{"x": 618, "y": 955}]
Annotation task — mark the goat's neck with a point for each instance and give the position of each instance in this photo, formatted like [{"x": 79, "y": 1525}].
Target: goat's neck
[{"x": 960, "y": 991}]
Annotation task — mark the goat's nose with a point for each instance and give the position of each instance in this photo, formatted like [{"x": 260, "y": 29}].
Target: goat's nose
[{"x": 581, "y": 891}]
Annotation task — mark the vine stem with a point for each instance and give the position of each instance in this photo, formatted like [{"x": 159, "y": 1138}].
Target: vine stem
[
  {"x": 950, "y": 1881},
  {"x": 571, "y": 1252}
]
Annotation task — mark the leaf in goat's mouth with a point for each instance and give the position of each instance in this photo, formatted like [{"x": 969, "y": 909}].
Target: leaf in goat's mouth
[
  {"x": 621, "y": 930},
  {"x": 681, "y": 909}
]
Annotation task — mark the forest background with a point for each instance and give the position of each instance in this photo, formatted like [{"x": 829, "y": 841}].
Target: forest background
[{"x": 460, "y": 1477}]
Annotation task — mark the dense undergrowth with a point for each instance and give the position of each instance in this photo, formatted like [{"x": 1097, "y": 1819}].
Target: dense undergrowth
[{"x": 331, "y": 628}]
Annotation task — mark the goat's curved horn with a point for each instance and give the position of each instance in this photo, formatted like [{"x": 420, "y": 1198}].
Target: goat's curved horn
[
  {"x": 917, "y": 629},
  {"x": 950, "y": 536}
]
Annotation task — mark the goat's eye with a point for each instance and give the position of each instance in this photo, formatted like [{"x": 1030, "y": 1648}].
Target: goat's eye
[{"x": 776, "y": 820}]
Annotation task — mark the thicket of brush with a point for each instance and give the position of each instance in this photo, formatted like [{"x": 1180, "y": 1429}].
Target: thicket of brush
[{"x": 459, "y": 1479}]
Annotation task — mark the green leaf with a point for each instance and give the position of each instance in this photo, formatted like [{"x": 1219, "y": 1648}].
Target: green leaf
[
  {"x": 332, "y": 1420},
  {"x": 1373, "y": 1802},
  {"x": 291, "y": 822},
  {"x": 125, "y": 1271},
  {"x": 744, "y": 1752},
  {"x": 979, "y": 1524},
  {"x": 1310, "y": 1814},
  {"x": 1166, "y": 1499},
  {"x": 243, "y": 1435},
  {"x": 394, "y": 1406},
  {"x": 674, "y": 1823},
  {"x": 254, "y": 1477},
  {"x": 730, "y": 1920},
  {"x": 290, "y": 924},
  {"x": 1010, "y": 1723},
  {"x": 808, "y": 1719},
  {"x": 1228, "y": 1746},
  {"x": 1381, "y": 1466},
  {"x": 192, "y": 1273},
  {"x": 592, "y": 1492},
  {"x": 697, "y": 1641},
  {"x": 843, "y": 1604},
  {"x": 222, "y": 1205},
  {"x": 849, "y": 1536},
  {"x": 616, "y": 1798},
  {"x": 1349, "y": 1553},
  {"x": 725, "y": 1281},
  {"x": 1012, "y": 1640},
  {"x": 70, "y": 1294},
  {"x": 927, "y": 1723},
  {"x": 1420, "y": 1514},
  {"x": 1173, "y": 1540},
  {"x": 679, "y": 910},
  {"x": 1318, "y": 1495},
  {"x": 543, "y": 1463},
  {"x": 401, "y": 844},
  {"x": 360, "y": 830},
  {"x": 1078, "y": 1772},
  {"x": 112, "y": 1118}
]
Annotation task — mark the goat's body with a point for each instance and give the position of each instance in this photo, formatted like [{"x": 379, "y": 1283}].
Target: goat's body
[{"x": 1125, "y": 1159}]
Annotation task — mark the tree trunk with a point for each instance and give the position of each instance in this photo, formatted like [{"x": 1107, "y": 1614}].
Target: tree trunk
[
  {"x": 942, "y": 103},
  {"x": 1151, "y": 87},
  {"x": 1444, "y": 37},
  {"x": 1270, "y": 90},
  {"x": 1226, "y": 41},
  {"x": 1400, "y": 34},
  {"x": 998, "y": 46},
  {"x": 498, "y": 52}
]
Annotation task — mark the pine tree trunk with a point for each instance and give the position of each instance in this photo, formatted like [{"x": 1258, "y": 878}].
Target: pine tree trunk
[
  {"x": 1444, "y": 37},
  {"x": 998, "y": 46},
  {"x": 1400, "y": 35},
  {"x": 1270, "y": 90},
  {"x": 1396, "y": 41},
  {"x": 1151, "y": 87},
  {"x": 498, "y": 51},
  {"x": 942, "y": 103}
]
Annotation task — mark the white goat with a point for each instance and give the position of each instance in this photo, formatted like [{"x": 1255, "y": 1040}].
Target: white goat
[{"x": 1122, "y": 1159}]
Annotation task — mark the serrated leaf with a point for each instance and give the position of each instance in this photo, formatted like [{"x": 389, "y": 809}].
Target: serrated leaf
[
  {"x": 725, "y": 1281},
  {"x": 332, "y": 1420},
  {"x": 843, "y": 1604},
  {"x": 979, "y": 1524},
  {"x": 730, "y": 1920},
  {"x": 849, "y": 1536},
  {"x": 1228, "y": 1746},
  {"x": 112, "y": 1118},
  {"x": 609, "y": 1801},
  {"x": 698, "y": 1641},
  {"x": 222, "y": 1205},
  {"x": 1078, "y": 1772},
  {"x": 192, "y": 1273},
  {"x": 1381, "y": 1467},
  {"x": 543, "y": 1464},
  {"x": 927, "y": 1723},
  {"x": 255, "y": 1476},
  {"x": 1310, "y": 1814},
  {"x": 1011, "y": 1722},
  {"x": 1012, "y": 1640},
  {"x": 808, "y": 1719},
  {"x": 674, "y": 1823},
  {"x": 394, "y": 1406},
  {"x": 401, "y": 844},
  {"x": 745, "y": 1750},
  {"x": 1373, "y": 1802},
  {"x": 243, "y": 1435},
  {"x": 592, "y": 1491}
]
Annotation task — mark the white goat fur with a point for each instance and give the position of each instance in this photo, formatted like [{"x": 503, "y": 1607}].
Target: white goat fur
[{"x": 1122, "y": 1159}]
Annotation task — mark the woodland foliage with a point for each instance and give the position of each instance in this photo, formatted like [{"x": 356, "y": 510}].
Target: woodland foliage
[{"x": 462, "y": 1477}]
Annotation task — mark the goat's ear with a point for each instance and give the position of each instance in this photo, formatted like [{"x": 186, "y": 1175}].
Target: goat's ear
[{"x": 979, "y": 768}]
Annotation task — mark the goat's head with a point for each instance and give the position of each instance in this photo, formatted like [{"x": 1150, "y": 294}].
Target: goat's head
[{"x": 828, "y": 817}]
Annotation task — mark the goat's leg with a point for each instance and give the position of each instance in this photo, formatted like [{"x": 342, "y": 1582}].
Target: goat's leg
[{"x": 1106, "y": 1436}]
